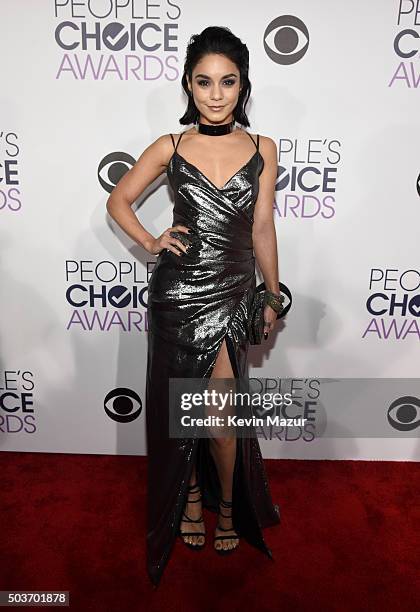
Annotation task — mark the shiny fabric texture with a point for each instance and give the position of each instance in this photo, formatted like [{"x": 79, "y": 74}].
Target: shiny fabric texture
[{"x": 194, "y": 302}]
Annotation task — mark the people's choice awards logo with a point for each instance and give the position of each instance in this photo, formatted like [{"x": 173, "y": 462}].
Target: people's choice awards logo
[
  {"x": 123, "y": 405},
  {"x": 107, "y": 295},
  {"x": 10, "y": 179},
  {"x": 116, "y": 41},
  {"x": 17, "y": 402},
  {"x": 307, "y": 177},
  {"x": 406, "y": 45},
  {"x": 394, "y": 304},
  {"x": 404, "y": 413},
  {"x": 306, "y": 407},
  {"x": 286, "y": 40}
]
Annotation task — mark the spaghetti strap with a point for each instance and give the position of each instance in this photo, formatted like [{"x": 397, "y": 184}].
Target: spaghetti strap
[
  {"x": 173, "y": 141},
  {"x": 258, "y": 139}
]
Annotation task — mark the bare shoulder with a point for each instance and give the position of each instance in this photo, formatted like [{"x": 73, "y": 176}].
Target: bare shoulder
[
  {"x": 268, "y": 151},
  {"x": 268, "y": 147},
  {"x": 164, "y": 146},
  {"x": 152, "y": 163}
]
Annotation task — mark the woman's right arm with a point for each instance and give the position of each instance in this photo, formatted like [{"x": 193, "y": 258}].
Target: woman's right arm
[{"x": 151, "y": 163}]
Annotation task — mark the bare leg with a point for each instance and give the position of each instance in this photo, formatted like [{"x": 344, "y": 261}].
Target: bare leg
[{"x": 223, "y": 451}]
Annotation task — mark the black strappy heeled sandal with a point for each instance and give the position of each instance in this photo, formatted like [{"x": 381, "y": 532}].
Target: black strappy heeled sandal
[
  {"x": 190, "y": 520},
  {"x": 222, "y": 551}
]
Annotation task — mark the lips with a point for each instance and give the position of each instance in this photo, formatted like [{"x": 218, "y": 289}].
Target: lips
[{"x": 215, "y": 107}]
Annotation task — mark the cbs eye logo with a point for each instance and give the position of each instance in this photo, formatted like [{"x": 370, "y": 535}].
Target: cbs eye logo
[
  {"x": 122, "y": 408},
  {"x": 286, "y": 40},
  {"x": 404, "y": 414},
  {"x": 418, "y": 184},
  {"x": 113, "y": 167}
]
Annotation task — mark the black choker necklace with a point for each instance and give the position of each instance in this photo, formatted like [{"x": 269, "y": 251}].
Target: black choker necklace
[{"x": 215, "y": 130}]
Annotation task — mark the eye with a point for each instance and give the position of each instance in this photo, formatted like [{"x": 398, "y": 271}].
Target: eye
[{"x": 228, "y": 82}]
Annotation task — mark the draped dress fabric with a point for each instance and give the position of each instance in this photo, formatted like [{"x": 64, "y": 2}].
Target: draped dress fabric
[{"x": 195, "y": 301}]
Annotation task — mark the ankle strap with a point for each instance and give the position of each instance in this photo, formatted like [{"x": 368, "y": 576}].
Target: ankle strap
[{"x": 191, "y": 487}]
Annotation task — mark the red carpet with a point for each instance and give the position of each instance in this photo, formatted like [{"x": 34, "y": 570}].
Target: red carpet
[{"x": 348, "y": 539}]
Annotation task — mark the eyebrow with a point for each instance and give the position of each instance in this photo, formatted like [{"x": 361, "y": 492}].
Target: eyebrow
[{"x": 232, "y": 74}]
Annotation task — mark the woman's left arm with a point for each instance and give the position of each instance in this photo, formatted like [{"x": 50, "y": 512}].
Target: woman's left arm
[{"x": 263, "y": 231}]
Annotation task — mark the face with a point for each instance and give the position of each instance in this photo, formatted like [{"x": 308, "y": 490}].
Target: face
[{"x": 215, "y": 87}]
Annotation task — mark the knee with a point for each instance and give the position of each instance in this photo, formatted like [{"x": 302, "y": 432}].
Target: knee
[{"x": 224, "y": 443}]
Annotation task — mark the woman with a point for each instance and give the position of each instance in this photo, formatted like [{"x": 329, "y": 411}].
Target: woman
[{"x": 200, "y": 295}]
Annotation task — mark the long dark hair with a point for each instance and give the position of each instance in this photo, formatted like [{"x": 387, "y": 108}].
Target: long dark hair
[{"x": 215, "y": 39}]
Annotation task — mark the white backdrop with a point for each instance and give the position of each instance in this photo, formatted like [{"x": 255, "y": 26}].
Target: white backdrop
[{"x": 336, "y": 85}]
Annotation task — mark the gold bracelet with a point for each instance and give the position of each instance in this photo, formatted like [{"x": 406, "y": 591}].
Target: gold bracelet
[{"x": 274, "y": 301}]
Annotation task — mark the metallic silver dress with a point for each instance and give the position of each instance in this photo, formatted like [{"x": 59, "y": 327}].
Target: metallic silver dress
[{"x": 195, "y": 301}]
